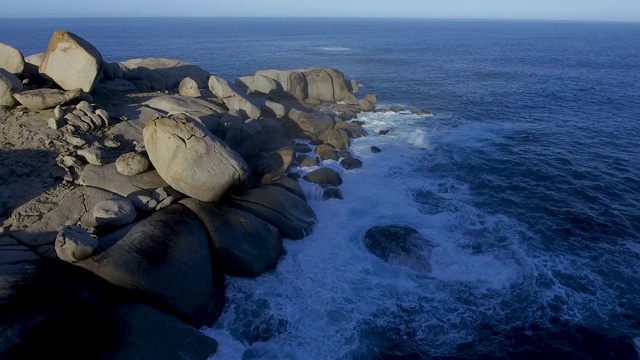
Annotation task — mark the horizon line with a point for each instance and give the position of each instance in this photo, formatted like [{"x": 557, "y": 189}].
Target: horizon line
[{"x": 330, "y": 17}]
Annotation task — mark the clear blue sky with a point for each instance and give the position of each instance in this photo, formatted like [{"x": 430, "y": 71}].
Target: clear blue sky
[{"x": 624, "y": 10}]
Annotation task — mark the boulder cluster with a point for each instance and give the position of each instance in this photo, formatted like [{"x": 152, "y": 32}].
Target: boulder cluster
[{"x": 172, "y": 179}]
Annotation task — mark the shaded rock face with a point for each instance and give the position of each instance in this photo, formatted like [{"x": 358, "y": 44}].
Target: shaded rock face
[
  {"x": 74, "y": 244},
  {"x": 324, "y": 176},
  {"x": 400, "y": 245},
  {"x": 41, "y": 99},
  {"x": 9, "y": 84},
  {"x": 167, "y": 258},
  {"x": 246, "y": 245},
  {"x": 234, "y": 97},
  {"x": 72, "y": 62},
  {"x": 311, "y": 125},
  {"x": 11, "y": 59},
  {"x": 192, "y": 160},
  {"x": 171, "y": 71},
  {"x": 291, "y": 215}
]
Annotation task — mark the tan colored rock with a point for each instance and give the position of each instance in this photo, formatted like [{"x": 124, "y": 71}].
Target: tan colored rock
[
  {"x": 191, "y": 159},
  {"x": 132, "y": 163},
  {"x": 189, "y": 87},
  {"x": 234, "y": 97},
  {"x": 338, "y": 138},
  {"x": 72, "y": 62},
  {"x": 11, "y": 59}
]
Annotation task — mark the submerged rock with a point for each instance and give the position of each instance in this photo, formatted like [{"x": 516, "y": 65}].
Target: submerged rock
[{"x": 400, "y": 245}]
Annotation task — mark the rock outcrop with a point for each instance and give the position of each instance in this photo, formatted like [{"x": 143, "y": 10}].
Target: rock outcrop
[
  {"x": 401, "y": 245},
  {"x": 192, "y": 160},
  {"x": 72, "y": 62},
  {"x": 234, "y": 97},
  {"x": 41, "y": 99}
]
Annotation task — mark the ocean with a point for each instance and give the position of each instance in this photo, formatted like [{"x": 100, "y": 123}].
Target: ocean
[{"x": 526, "y": 177}]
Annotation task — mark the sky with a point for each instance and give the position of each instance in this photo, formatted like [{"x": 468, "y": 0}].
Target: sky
[{"x": 599, "y": 10}]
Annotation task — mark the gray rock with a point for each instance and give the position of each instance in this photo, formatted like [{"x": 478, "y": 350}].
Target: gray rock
[
  {"x": 55, "y": 124},
  {"x": 133, "y": 163},
  {"x": 338, "y": 138},
  {"x": 274, "y": 109},
  {"x": 42, "y": 99},
  {"x": 291, "y": 215},
  {"x": 351, "y": 163},
  {"x": 189, "y": 87},
  {"x": 11, "y": 59},
  {"x": 116, "y": 211},
  {"x": 192, "y": 160},
  {"x": 107, "y": 177},
  {"x": 420, "y": 112},
  {"x": 293, "y": 83},
  {"x": 353, "y": 130},
  {"x": 93, "y": 155},
  {"x": 120, "y": 85},
  {"x": 242, "y": 140},
  {"x": 9, "y": 85},
  {"x": 273, "y": 165},
  {"x": 320, "y": 85},
  {"x": 75, "y": 140},
  {"x": 234, "y": 97},
  {"x": 306, "y": 161},
  {"x": 74, "y": 244},
  {"x": 179, "y": 104},
  {"x": 400, "y": 245},
  {"x": 375, "y": 150},
  {"x": 104, "y": 116},
  {"x": 172, "y": 71},
  {"x": 72, "y": 62},
  {"x": 259, "y": 84},
  {"x": 324, "y": 176},
  {"x": 311, "y": 124},
  {"x": 372, "y": 98},
  {"x": 58, "y": 112},
  {"x": 354, "y": 85},
  {"x": 167, "y": 258},
  {"x": 366, "y": 105},
  {"x": 143, "y": 200},
  {"x": 85, "y": 106},
  {"x": 327, "y": 152},
  {"x": 247, "y": 245},
  {"x": 155, "y": 80}
]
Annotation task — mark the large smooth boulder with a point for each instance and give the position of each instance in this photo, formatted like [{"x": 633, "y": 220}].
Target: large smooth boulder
[
  {"x": 273, "y": 165},
  {"x": 193, "y": 160},
  {"x": 338, "y": 138},
  {"x": 400, "y": 245},
  {"x": 9, "y": 84},
  {"x": 11, "y": 59},
  {"x": 247, "y": 245},
  {"x": 320, "y": 85},
  {"x": 311, "y": 125},
  {"x": 72, "y": 62},
  {"x": 291, "y": 215},
  {"x": 324, "y": 176},
  {"x": 167, "y": 258},
  {"x": 293, "y": 83},
  {"x": 234, "y": 97},
  {"x": 172, "y": 71},
  {"x": 41, "y": 99}
]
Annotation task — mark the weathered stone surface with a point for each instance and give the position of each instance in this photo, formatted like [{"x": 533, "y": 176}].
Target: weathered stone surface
[
  {"x": 133, "y": 163},
  {"x": 11, "y": 59},
  {"x": 247, "y": 245},
  {"x": 351, "y": 163},
  {"x": 306, "y": 161},
  {"x": 234, "y": 97},
  {"x": 156, "y": 81},
  {"x": 291, "y": 186},
  {"x": 72, "y": 62},
  {"x": 324, "y": 176},
  {"x": 74, "y": 207},
  {"x": 74, "y": 244},
  {"x": 9, "y": 84},
  {"x": 259, "y": 84},
  {"x": 172, "y": 71},
  {"x": 42, "y": 99},
  {"x": 167, "y": 258},
  {"x": 400, "y": 245},
  {"x": 289, "y": 213},
  {"x": 177, "y": 103},
  {"x": 372, "y": 98},
  {"x": 242, "y": 140},
  {"x": 338, "y": 138},
  {"x": 327, "y": 152},
  {"x": 273, "y": 165},
  {"x": 116, "y": 211},
  {"x": 192, "y": 160},
  {"x": 93, "y": 155},
  {"x": 293, "y": 83},
  {"x": 189, "y": 87},
  {"x": 353, "y": 130},
  {"x": 311, "y": 124},
  {"x": 107, "y": 177},
  {"x": 271, "y": 108},
  {"x": 366, "y": 105},
  {"x": 320, "y": 85}
]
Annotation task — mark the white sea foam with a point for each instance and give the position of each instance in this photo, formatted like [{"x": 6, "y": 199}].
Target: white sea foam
[
  {"x": 329, "y": 297},
  {"x": 334, "y": 48}
]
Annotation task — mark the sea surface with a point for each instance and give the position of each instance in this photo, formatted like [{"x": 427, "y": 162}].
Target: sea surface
[{"x": 526, "y": 177}]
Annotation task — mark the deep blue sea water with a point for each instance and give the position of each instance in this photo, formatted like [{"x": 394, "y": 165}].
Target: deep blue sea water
[{"x": 527, "y": 178}]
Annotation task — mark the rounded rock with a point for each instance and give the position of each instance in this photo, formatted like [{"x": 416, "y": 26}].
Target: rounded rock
[
  {"x": 116, "y": 211},
  {"x": 132, "y": 163},
  {"x": 74, "y": 244}
]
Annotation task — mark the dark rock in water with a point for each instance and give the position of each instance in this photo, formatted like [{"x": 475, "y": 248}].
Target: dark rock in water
[
  {"x": 332, "y": 192},
  {"x": 345, "y": 154},
  {"x": 327, "y": 152},
  {"x": 351, "y": 163},
  {"x": 353, "y": 130},
  {"x": 375, "y": 149},
  {"x": 316, "y": 142},
  {"x": 383, "y": 132},
  {"x": 302, "y": 148},
  {"x": 420, "y": 112},
  {"x": 396, "y": 108},
  {"x": 291, "y": 186},
  {"x": 294, "y": 176},
  {"x": 358, "y": 122},
  {"x": 293, "y": 217},
  {"x": 306, "y": 161},
  {"x": 324, "y": 176},
  {"x": 400, "y": 245},
  {"x": 167, "y": 258},
  {"x": 247, "y": 245}
]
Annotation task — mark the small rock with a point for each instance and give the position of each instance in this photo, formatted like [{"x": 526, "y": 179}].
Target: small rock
[
  {"x": 55, "y": 124},
  {"x": 104, "y": 115},
  {"x": 372, "y": 98},
  {"x": 332, "y": 192},
  {"x": 351, "y": 163},
  {"x": 383, "y": 132},
  {"x": 114, "y": 212},
  {"x": 159, "y": 194},
  {"x": 306, "y": 161},
  {"x": 142, "y": 201},
  {"x": 74, "y": 244},
  {"x": 375, "y": 149},
  {"x": 302, "y": 148},
  {"x": 164, "y": 203},
  {"x": 75, "y": 140},
  {"x": 85, "y": 106},
  {"x": 345, "y": 154},
  {"x": 327, "y": 152},
  {"x": 420, "y": 112},
  {"x": 58, "y": 112},
  {"x": 324, "y": 176},
  {"x": 358, "y": 122},
  {"x": 396, "y": 108},
  {"x": 316, "y": 142},
  {"x": 111, "y": 143},
  {"x": 189, "y": 87},
  {"x": 93, "y": 155},
  {"x": 133, "y": 163}
]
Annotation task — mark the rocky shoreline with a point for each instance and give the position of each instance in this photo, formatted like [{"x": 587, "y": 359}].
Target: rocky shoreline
[{"x": 129, "y": 190}]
